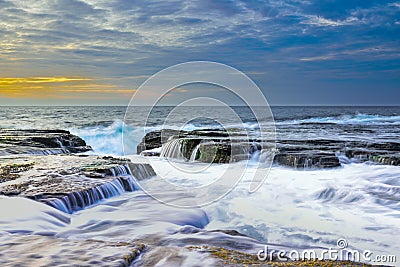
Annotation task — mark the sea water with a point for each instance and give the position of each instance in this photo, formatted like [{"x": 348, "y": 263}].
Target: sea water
[{"x": 359, "y": 202}]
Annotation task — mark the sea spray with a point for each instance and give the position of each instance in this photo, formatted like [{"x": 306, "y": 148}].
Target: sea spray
[{"x": 107, "y": 140}]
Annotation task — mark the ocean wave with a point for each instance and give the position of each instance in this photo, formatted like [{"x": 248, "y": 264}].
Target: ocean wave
[
  {"x": 107, "y": 140},
  {"x": 348, "y": 119},
  {"x": 334, "y": 195}
]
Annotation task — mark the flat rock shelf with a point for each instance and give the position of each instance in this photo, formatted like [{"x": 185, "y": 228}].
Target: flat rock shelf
[
  {"x": 224, "y": 146},
  {"x": 40, "y": 142},
  {"x": 69, "y": 182}
]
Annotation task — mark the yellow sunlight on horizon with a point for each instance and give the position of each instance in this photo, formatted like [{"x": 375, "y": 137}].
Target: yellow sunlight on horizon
[{"x": 59, "y": 88}]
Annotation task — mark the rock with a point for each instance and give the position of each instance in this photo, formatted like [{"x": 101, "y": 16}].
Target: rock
[
  {"x": 217, "y": 146},
  {"x": 141, "y": 171},
  {"x": 229, "y": 232},
  {"x": 214, "y": 153},
  {"x": 308, "y": 159},
  {"x": 225, "y": 151},
  {"x": 157, "y": 138},
  {"x": 69, "y": 182},
  {"x": 11, "y": 171},
  {"x": 209, "y": 145},
  {"x": 387, "y": 146},
  {"x": 386, "y": 159},
  {"x": 150, "y": 153},
  {"x": 42, "y": 142},
  {"x": 18, "y": 250},
  {"x": 153, "y": 139},
  {"x": 231, "y": 257},
  {"x": 94, "y": 175},
  {"x": 379, "y": 156}
]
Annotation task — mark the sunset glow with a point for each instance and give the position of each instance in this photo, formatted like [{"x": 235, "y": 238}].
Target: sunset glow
[{"x": 59, "y": 88}]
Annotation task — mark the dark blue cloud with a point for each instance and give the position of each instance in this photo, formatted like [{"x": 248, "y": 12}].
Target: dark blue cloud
[{"x": 300, "y": 50}]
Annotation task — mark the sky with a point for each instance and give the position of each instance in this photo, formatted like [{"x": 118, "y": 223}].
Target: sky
[{"x": 298, "y": 52}]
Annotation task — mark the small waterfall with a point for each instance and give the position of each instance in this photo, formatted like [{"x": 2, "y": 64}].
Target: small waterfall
[
  {"x": 308, "y": 163},
  {"x": 125, "y": 182},
  {"x": 141, "y": 171},
  {"x": 295, "y": 161},
  {"x": 79, "y": 200},
  {"x": 172, "y": 149},
  {"x": 343, "y": 158},
  {"x": 196, "y": 150},
  {"x": 255, "y": 156},
  {"x": 120, "y": 170},
  {"x": 58, "y": 141}
]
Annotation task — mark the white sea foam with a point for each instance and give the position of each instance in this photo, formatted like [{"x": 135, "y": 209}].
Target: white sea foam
[
  {"x": 22, "y": 215},
  {"x": 350, "y": 119},
  {"x": 307, "y": 208},
  {"x": 108, "y": 140},
  {"x": 358, "y": 202}
]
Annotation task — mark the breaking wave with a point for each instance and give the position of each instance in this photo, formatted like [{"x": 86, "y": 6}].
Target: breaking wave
[{"x": 349, "y": 119}]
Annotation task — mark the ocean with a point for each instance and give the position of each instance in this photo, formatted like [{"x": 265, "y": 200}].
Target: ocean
[{"x": 295, "y": 207}]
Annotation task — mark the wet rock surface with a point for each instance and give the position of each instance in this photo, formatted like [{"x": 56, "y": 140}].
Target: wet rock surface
[
  {"x": 217, "y": 146},
  {"x": 41, "y": 142},
  {"x": 229, "y": 257},
  {"x": 42, "y": 166},
  {"x": 37, "y": 250},
  {"x": 71, "y": 181},
  {"x": 154, "y": 139},
  {"x": 208, "y": 145}
]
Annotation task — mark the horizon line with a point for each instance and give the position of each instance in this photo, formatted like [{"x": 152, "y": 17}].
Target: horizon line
[{"x": 279, "y": 105}]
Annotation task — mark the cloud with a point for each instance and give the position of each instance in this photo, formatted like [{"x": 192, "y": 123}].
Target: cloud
[
  {"x": 396, "y": 4},
  {"x": 131, "y": 40},
  {"x": 34, "y": 80},
  {"x": 323, "y": 22},
  {"x": 317, "y": 58},
  {"x": 58, "y": 87}
]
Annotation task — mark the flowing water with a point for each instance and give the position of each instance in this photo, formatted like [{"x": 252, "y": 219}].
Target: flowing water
[{"x": 359, "y": 202}]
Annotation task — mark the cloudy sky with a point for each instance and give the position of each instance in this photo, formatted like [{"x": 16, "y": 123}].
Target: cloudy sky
[{"x": 299, "y": 52}]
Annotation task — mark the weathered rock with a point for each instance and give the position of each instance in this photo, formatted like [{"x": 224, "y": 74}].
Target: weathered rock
[
  {"x": 155, "y": 139},
  {"x": 69, "y": 182},
  {"x": 209, "y": 145},
  {"x": 214, "y": 152},
  {"x": 150, "y": 153},
  {"x": 141, "y": 171},
  {"x": 308, "y": 159},
  {"x": 11, "y": 171},
  {"x": 217, "y": 146},
  {"x": 38, "y": 250},
  {"x": 378, "y": 156},
  {"x": 231, "y": 257},
  {"x": 40, "y": 142}
]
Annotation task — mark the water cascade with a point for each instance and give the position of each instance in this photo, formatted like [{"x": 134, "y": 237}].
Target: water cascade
[
  {"x": 172, "y": 149},
  {"x": 125, "y": 181},
  {"x": 194, "y": 156}
]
